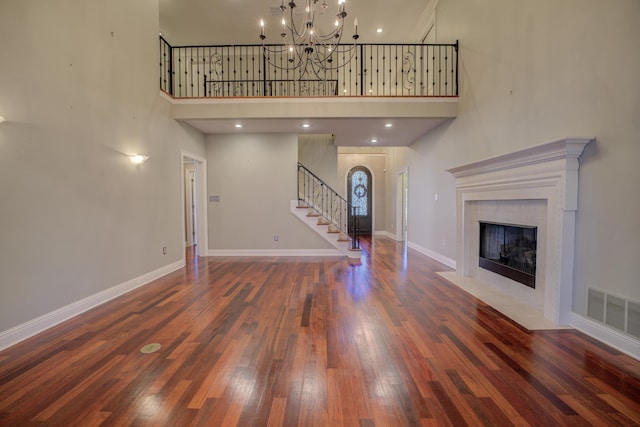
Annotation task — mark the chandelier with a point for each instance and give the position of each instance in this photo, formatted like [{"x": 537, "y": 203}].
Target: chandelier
[{"x": 307, "y": 44}]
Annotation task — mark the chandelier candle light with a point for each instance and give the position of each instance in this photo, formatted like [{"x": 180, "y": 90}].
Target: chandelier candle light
[{"x": 306, "y": 46}]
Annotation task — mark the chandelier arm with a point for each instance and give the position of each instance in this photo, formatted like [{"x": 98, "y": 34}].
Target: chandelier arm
[
  {"x": 328, "y": 47},
  {"x": 277, "y": 50},
  {"x": 302, "y": 59},
  {"x": 317, "y": 70},
  {"x": 332, "y": 34},
  {"x": 329, "y": 50},
  {"x": 274, "y": 49},
  {"x": 288, "y": 67},
  {"x": 351, "y": 51},
  {"x": 292, "y": 28},
  {"x": 303, "y": 72},
  {"x": 310, "y": 52}
]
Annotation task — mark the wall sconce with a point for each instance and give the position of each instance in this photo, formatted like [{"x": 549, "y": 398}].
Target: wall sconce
[
  {"x": 137, "y": 159},
  {"x": 2, "y": 119}
]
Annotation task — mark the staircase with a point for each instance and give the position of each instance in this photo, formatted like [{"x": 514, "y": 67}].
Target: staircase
[{"x": 326, "y": 212}]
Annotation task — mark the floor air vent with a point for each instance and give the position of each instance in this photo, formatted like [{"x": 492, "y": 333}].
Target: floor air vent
[{"x": 619, "y": 313}]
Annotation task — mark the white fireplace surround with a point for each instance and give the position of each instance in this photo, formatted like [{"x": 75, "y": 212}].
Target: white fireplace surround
[{"x": 546, "y": 175}]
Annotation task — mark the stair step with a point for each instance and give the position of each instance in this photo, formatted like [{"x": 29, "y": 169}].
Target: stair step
[
  {"x": 312, "y": 213},
  {"x": 323, "y": 221},
  {"x": 343, "y": 238},
  {"x": 333, "y": 236}
]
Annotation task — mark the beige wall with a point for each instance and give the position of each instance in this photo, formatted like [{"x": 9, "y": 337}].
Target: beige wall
[
  {"x": 255, "y": 177},
  {"x": 396, "y": 162},
  {"x": 532, "y": 72},
  {"x": 319, "y": 154},
  {"x": 77, "y": 218}
]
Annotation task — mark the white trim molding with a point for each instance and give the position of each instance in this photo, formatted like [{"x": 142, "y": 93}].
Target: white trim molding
[
  {"x": 561, "y": 149},
  {"x": 274, "y": 252},
  {"x": 385, "y": 233},
  {"x": 548, "y": 173},
  {"x": 431, "y": 254},
  {"x": 607, "y": 335},
  {"x": 28, "y": 329}
]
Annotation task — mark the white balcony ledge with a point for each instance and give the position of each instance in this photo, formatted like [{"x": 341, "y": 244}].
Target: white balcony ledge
[{"x": 354, "y": 121}]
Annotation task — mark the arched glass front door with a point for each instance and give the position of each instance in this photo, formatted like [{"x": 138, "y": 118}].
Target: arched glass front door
[{"x": 359, "y": 196}]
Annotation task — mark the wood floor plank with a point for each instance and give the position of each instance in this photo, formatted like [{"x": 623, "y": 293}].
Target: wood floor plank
[
  {"x": 78, "y": 389},
  {"x": 276, "y": 414},
  {"x": 279, "y": 341}
]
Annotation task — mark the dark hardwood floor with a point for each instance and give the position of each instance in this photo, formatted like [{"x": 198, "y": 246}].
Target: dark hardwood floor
[{"x": 312, "y": 342}]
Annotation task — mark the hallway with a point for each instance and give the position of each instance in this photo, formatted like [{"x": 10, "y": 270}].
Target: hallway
[{"x": 312, "y": 341}]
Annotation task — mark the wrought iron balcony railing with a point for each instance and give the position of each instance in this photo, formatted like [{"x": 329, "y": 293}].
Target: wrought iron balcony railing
[{"x": 421, "y": 70}]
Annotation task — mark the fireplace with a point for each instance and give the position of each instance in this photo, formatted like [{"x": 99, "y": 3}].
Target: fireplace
[
  {"x": 509, "y": 250},
  {"x": 537, "y": 186}
]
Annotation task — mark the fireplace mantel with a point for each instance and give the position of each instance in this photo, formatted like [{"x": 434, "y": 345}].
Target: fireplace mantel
[
  {"x": 567, "y": 148},
  {"x": 546, "y": 172}
]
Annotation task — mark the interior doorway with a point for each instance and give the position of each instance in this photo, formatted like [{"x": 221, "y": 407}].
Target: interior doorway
[
  {"x": 190, "y": 201},
  {"x": 194, "y": 211},
  {"x": 402, "y": 206},
  {"x": 360, "y": 198}
]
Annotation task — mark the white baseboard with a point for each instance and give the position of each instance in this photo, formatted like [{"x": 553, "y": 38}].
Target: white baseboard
[
  {"x": 385, "y": 234},
  {"x": 32, "y": 327},
  {"x": 615, "y": 339},
  {"x": 431, "y": 254},
  {"x": 275, "y": 252}
]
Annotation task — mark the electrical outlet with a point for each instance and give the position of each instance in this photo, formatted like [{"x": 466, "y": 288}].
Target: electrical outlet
[
  {"x": 164, "y": 250},
  {"x": 275, "y": 238}
]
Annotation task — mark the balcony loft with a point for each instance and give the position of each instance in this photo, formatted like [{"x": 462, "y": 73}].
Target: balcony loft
[{"x": 413, "y": 86}]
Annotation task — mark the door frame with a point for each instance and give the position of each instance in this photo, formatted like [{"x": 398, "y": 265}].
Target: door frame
[
  {"x": 202, "y": 232},
  {"x": 191, "y": 214},
  {"x": 402, "y": 220},
  {"x": 373, "y": 193}
]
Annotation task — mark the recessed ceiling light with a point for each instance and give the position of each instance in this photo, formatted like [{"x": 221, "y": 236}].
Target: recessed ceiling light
[
  {"x": 388, "y": 125},
  {"x": 238, "y": 125},
  {"x": 374, "y": 141},
  {"x": 306, "y": 125},
  {"x": 379, "y": 30}
]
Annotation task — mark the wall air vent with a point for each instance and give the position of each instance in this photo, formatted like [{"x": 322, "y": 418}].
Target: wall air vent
[{"x": 617, "y": 312}]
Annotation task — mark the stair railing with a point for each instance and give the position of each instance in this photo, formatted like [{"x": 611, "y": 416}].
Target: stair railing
[{"x": 315, "y": 194}]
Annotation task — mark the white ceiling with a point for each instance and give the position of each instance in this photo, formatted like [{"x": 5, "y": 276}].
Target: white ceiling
[{"x": 202, "y": 22}]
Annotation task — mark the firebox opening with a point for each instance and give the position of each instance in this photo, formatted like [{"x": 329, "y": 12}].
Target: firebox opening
[{"x": 509, "y": 250}]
